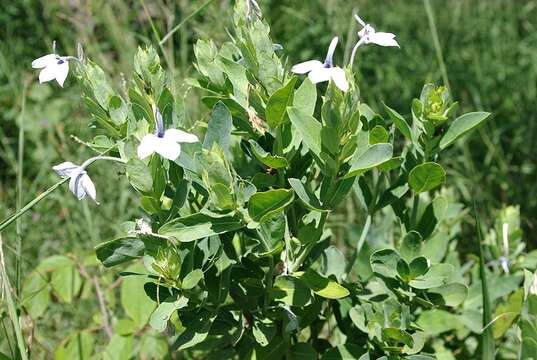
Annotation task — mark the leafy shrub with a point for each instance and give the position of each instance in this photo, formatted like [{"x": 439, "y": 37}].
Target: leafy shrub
[{"x": 239, "y": 254}]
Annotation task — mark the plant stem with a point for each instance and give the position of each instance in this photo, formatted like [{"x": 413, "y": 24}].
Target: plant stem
[
  {"x": 183, "y": 21},
  {"x": 436, "y": 42},
  {"x": 487, "y": 338},
  {"x": 20, "y": 167},
  {"x": 51, "y": 189},
  {"x": 11, "y": 304},
  {"x": 363, "y": 235},
  {"x": 304, "y": 255},
  {"x": 31, "y": 204}
]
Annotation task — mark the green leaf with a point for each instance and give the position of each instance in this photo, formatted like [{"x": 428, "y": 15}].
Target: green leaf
[
  {"x": 201, "y": 225},
  {"x": 346, "y": 351},
  {"x": 272, "y": 161},
  {"x": 308, "y": 197},
  {"x": 398, "y": 336},
  {"x": 277, "y": 104},
  {"x": 308, "y": 127},
  {"x": 263, "y": 205},
  {"x": 196, "y": 331},
  {"x": 291, "y": 291},
  {"x": 219, "y": 128},
  {"x": 374, "y": 156},
  {"x": 411, "y": 246},
  {"x": 461, "y": 126},
  {"x": 79, "y": 346},
  {"x": 507, "y": 313},
  {"x": 306, "y": 97},
  {"x": 438, "y": 275},
  {"x": 322, "y": 286},
  {"x": 384, "y": 262},
  {"x": 192, "y": 279},
  {"x": 159, "y": 318},
  {"x": 139, "y": 175},
  {"x": 399, "y": 122},
  {"x": 426, "y": 177},
  {"x": 120, "y": 250},
  {"x": 66, "y": 282},
  {"x": 333, "y": 262},
  {"x": 453, "y": 294},
  {"x": 529, "y": 348},
  {"x": 437, "y": 321},
  {"x": 236, "y": 74},
  {"x": 263, "y": 332},
  {"x": 418, "y": 267},
  {"x": 119, "y": 348},
  {"x": 36, "y": 294},
  {"x": 153, "y": 347},
  {"x": 378, "y": 135},
  {"x": 303, "y": 351},
  {"x": 137, "y": 305}
]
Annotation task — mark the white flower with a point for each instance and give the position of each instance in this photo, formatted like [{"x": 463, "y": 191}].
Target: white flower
[
  {"x": 370, "y": 36},
  {"x": 165, "y": 143},
  {"x": 319, "y": 72},
  {"x": 80, "y": 183},
  {"x": 53, "y": 67}
]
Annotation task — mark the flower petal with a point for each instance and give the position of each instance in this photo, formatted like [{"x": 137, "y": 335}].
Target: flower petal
[
  {"x": 88, "y": 186},
  {"x": 66, "y": 169},
  {"x": 168, "y": 149},
  {"x": 339, "y": 78},
  {"x": 147, "y": 146},
  {"x": 331, "y": 50},
  {"x": 44, "y": 61},
  {"x": 76, "y": 187},
  {"x": 48, "y": 73},
  {"x": 61, "y": 72},
  {"x": 359, "y": 20},
  {"x": 383, "y": 39},
  {"x": 320, "y": 75},
  {"x": 180, "y": 136},
  {"x": 306, "y": 66}
]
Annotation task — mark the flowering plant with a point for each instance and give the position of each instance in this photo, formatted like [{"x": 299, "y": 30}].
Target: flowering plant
[{"x": 239, "y": 253}]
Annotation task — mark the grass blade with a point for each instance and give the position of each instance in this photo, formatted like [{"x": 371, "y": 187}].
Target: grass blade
[
  {"x": 12, "y": 310},
  {"x": 487, "y": 337}
]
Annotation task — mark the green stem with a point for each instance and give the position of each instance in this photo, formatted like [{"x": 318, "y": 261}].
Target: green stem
[
  {"x": 183, "y": 21},
  {"x": 20, "y": 166},
  {"x": 268, "y": 280},
  {"x": 363, "y": 235},
  {"x": 436, "y": 41},
  {"x": 51, "y": 189},
  {"x": 305, "y": 253},
  {"x": 31, "y": 204},
  {"x": 11, "y": 305},
  {"x": 487, "y": 337}
]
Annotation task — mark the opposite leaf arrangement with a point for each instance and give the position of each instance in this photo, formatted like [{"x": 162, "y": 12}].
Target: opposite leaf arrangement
[{"x": 237, "y": 244}]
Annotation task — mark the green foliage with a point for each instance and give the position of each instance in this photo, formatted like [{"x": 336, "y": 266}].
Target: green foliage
[{"x": 244, "y": 255}]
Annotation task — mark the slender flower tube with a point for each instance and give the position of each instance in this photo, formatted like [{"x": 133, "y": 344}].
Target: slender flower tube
[
  {"x": 504, "y": 260},
  {"x": 164, "y": 143},
  {"x": 80, "y": 183},
  {"x": 368, "y": 35},
  {"x": 319, "y": 72}
]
